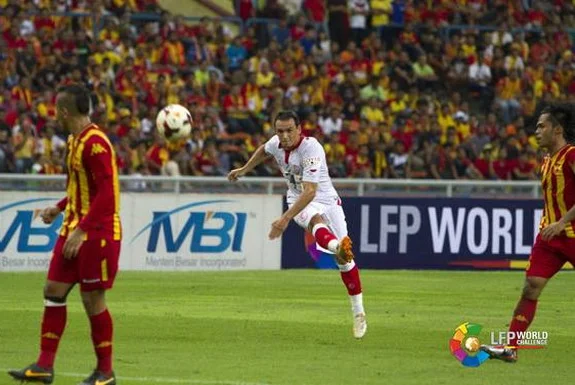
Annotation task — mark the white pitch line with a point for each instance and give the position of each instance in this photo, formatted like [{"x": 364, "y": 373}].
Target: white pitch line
[{"x": 160, "y": 380}]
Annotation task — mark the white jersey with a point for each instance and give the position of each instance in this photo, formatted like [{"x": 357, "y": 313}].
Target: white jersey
[{"x": 305, "y": 163}]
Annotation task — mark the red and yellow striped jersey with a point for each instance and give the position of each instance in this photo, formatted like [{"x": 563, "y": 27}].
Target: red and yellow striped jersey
[
  {"x": 93, "y": 189},
  {"x": 558, "y": 182}
]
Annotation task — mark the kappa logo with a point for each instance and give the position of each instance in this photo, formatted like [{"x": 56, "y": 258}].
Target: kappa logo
[
  {"x": 50, "y": 336},
  {"x": 97, "y": 148}
]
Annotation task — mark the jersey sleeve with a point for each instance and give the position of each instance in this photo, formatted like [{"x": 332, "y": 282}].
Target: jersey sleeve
[
  {"x": 272, "y": 145},
  {"x": 99, "y": 164},
  {"x": 98, "y": 158},
  {"x": 313, "y": 158}
]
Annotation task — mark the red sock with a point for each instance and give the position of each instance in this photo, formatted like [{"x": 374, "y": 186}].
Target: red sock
[
  {"x": 522, "y": 317},
  {"x": 323, "y": 236},
  {"x": 351, "y": 280},
  {"x": 53, "y": 325},
  {"x": 102, "y": 331}
]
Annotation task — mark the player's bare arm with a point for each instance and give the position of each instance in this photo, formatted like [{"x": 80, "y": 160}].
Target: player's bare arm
[
  {"x": 555, "y": 228},
  {"x": 73, "y": 243},
  {"x": 307, "y": 195},
  {"x": 50, "y": 213},
  {"x": 258, "y": 157}
]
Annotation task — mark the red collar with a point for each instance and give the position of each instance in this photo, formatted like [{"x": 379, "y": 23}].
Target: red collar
[{"x": 301, "y": 138}]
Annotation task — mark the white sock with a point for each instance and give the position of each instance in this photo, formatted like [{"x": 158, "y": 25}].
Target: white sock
[
  {"x": 357, "y": 304},
  {"x": 347, "y": 267}
]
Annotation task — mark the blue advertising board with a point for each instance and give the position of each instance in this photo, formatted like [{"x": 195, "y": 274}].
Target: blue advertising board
[{"x": 428, "y": 233}]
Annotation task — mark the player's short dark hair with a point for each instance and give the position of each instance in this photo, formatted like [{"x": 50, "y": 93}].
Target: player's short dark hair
[
  {"x": 78, "y": 98},
  {"x": 287, "y": 115},
  {"x": 563, "y": 114}
]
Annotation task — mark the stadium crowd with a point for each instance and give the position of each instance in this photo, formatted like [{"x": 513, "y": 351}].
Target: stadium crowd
[{"x": 387, "y": 86}]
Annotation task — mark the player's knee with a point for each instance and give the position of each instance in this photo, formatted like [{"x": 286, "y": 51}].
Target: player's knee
[
  {"x": 94, "y": 301},
  {"x": 533, "y": 287},
  {"x": 316, "y": 219},
  {"x": 55, "y": 293}
]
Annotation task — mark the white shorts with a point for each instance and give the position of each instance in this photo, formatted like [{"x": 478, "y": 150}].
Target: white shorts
[{"x": 332, "y": 215}]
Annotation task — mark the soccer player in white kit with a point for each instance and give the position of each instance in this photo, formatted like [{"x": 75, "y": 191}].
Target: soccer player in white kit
[{"x": 312, "y": 200}]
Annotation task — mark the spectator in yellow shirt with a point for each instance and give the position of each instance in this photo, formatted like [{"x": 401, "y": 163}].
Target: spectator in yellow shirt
[
  {"x": 372, "y": 112},
  {"x": 381, "y": 11},
  {"x": 335, "y": 155},
  {"x": 508, "y": 94},
  {"x": 265, "y": 76},
  {"x": 102, "y": 52},
  {"x": 445, "y": 119},
  {"x": 547, "y": 84},
  {"x": 24, "y": 144}
]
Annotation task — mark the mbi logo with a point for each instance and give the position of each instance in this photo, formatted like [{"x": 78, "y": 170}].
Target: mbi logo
[
  {"x": 207, "y": 231},
  {"x": 29, "y": 238}
]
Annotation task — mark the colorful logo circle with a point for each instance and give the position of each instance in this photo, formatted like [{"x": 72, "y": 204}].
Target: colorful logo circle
[{"x": 465, "y": 344}]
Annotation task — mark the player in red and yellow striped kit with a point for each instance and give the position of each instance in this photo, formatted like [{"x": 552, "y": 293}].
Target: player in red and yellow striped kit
[
  {"x": 88, "y": 249},
  {"x": 555, "y": 243}
]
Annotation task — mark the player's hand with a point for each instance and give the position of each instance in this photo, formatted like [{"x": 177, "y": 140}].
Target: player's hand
[
  {"x": 552, "y": 230},
  {"x": 49, "y": 214},
  {"x": 278, "y": 227},
  {"x": 235, "y": 174},
  {"x": 73, "y": 243}
]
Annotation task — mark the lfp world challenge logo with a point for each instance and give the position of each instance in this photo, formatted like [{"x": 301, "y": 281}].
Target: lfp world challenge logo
[{"x": 466, "y": 346}]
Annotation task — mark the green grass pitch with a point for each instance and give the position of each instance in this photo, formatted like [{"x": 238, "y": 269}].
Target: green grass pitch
[{"x": 293, "y": 328}]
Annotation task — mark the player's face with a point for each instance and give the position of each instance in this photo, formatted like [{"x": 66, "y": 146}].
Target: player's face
[
  {"x": 61, "y": 112},
  {"x": 288, "y": 133},
  {"x": 544, "y": 131}
]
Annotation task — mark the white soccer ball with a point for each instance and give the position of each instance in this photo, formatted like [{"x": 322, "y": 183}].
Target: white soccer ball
[{"x": 174, "y": 122}]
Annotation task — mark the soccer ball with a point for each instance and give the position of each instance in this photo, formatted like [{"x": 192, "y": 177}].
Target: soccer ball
[
  {"x": 174, "y": 122},
  {"x": 472, "y": 344}
]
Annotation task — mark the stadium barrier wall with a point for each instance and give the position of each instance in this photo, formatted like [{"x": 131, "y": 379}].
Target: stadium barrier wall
[
  {"x": 161, "y": 232},
  {"x": 428, "y": 233}
]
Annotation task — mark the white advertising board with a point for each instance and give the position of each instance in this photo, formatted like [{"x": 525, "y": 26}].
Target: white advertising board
[{"x": 160, "y": 231}]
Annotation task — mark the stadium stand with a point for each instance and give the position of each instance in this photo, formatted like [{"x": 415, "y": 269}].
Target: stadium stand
[{"x": 394, "y": 89}]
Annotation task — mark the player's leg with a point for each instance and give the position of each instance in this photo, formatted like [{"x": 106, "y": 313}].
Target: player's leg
[
  {"x": 313, "y": 219},
  {"x": 98, "y": 268},
  {"x": 335, "y": 219},
  {"x": 544, "y": 263},
  {"x": 61, "y": 278}
]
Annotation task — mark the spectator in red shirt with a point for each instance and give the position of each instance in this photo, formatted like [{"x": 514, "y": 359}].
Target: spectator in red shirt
[
  {"x": 246, "y": 9},
  {"x": 315, "y": 11},
  {"x": 297, "y": 31},
  {"x": 360, "y": 163},
  {"x": 523, "y": 169},
  {"x": 501, "y": 167},
  {"x": 206, "y": 162}
]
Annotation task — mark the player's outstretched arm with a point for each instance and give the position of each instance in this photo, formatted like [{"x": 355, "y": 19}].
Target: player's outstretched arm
[
  {"x": 305, "y": 198},
  {"x": 258, "y": 156}
]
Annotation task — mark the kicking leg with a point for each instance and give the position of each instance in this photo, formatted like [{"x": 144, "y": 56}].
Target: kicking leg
[
  {"x": 522, "y": 317},
  {"x": 342, "y": 249},
  {"x": 544, "y": 263}
]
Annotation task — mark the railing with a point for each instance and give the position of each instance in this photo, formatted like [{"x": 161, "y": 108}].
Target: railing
[{"x": 267, "y": 185}]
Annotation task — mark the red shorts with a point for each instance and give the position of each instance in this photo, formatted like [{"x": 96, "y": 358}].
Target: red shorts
[
  {"x": 548, "y": 257},
  {"x": 94, "y": 267}
]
